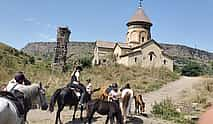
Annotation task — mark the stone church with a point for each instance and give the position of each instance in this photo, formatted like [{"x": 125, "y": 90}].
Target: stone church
[{"x": 138, "y": 49}]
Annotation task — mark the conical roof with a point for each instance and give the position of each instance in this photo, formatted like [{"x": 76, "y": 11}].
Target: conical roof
[{"x": 139, "y": 16}]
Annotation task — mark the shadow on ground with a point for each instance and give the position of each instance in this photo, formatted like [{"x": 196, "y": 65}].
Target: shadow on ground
[
  {"x": 134, "y": 120},
  {"x": 79, "y": 121}
]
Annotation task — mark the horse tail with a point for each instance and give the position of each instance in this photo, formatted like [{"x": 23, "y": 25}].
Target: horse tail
[
  {"x": 126, "y": 101},
  {"x": 53, "y": 99}
]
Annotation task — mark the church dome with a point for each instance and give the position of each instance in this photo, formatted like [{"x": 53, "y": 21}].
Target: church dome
[{"x": 139, "y": 17}]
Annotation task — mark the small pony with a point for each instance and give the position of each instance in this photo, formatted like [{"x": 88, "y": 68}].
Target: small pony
[
  {"x": 111, "y": 109},
  {"x": 126, "y": 101},
  {"x": 139, "y": 104}
]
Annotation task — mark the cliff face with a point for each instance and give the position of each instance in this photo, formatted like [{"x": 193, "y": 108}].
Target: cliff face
[
  {"x": 187, "y": 52},
  {"x": 45, "y": 49}
]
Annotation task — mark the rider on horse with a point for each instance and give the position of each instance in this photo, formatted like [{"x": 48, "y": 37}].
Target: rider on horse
[
  {"x": 75, "y": 83},
  {"x": 18, "y": 80}
]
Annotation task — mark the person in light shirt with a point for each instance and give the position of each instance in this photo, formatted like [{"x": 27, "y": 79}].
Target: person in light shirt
[
  {"x": 16, "y": 82},
  {"x": 89, "y": 87},
  {"x": 113, "y": 94},
  {"x": 75, "y": 83}
]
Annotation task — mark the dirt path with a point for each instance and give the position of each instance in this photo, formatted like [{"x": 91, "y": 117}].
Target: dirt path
[{"x": 172, "y": 90}]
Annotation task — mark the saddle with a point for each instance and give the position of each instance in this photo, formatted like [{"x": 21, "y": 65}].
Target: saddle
[
  {"x": 17, "y": 98},
  {"x": 76, "y": 91}
]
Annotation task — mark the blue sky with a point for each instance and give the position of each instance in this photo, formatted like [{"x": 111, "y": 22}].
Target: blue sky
[{"x": 188, "y": 22}]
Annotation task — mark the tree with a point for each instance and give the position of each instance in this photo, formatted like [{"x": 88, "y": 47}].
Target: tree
[
  {"x": 32, "y": 60},
  {"x": 192, "y": 69}
]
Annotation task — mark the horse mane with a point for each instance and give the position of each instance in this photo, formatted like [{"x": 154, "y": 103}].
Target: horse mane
[{"x": 30, "y": 91}]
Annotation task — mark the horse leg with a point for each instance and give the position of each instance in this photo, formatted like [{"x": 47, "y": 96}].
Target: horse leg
[
  {"x": 106, "y": 122},
  {"x": 111, "y": 118},
  {"x": 75, "y": 109},
  {"x": 81, "y": 116},
  {"x": 135, "y": 107},
  {"x": 125, "y": 114},
  {"x": 60, "y": 108},
  {"x": 90, "y": 116},
  {"x": 56, "y": 119}
]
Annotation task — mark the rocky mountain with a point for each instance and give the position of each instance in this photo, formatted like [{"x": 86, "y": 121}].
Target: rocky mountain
[
  {"x": 46, "y": 49},
  {"x": 75, "y": 48}
]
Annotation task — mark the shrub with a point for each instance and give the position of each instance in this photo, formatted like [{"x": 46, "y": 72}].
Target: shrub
[
  {"x": 32, "y": 60},
  {"x": 86, "y": 61},
  {"x": 167, "y": 110},
  {"x": 192, "y": 69}
]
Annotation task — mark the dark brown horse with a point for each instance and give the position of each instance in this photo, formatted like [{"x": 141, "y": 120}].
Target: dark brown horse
[
  {"x": 111, "y": 109},
  {"x": 139, "y": 104},
  {"x": 67, "y": 97}
]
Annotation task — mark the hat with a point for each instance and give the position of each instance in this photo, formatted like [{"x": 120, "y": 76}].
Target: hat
[
  {"x": 79, "y": 68},
  {"x": 88, "y": 80},
  {"x": 115, "y": 85}
]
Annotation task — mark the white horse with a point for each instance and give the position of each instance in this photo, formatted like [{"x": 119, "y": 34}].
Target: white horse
[
  {"x": 34, "y": 93},
  {"x": 8, "y": 112},
  {"x": 127, "y": 97}
]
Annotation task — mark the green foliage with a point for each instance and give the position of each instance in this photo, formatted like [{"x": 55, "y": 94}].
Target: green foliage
[
  {"x": 32, "y": 60},
  {"x": 167, "y": 111},
  {"x": 141, "y": 79},
  {"x": 86, "y": 61},
  {"x": 192, "y": 69}
]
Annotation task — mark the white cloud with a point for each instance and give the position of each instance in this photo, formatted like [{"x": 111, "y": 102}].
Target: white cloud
[
  {"x": 29, "y": 19},
  {"x": 32, "y": 20}
]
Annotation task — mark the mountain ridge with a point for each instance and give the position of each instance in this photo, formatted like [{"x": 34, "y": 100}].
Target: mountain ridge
[{"x": 84, "y": 47}]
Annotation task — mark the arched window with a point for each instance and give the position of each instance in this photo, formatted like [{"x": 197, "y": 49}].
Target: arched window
[
  {"x": 164, "y": 62},
  {"x": 135, "y": 59},
  {"x": 151, "y": 56},
  {"x": 142, "y": 39}
]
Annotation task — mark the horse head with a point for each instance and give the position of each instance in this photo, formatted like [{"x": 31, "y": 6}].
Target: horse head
[{"x": 42, "y": 97}]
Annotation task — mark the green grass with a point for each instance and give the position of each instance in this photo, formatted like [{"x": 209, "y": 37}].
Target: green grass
[
  {"x": 141, "y": 79},
  {"x": 167, "y": 111}
]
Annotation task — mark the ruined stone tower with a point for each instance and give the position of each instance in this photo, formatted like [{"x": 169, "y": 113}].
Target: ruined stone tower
[{"x": 63, "y": 34}]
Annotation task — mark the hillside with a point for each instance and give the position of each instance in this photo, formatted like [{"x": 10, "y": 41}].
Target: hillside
[
  {"x": 37, "y": 70},
  {"x": 46, "y": 49},
  {"x": 12, "y": 60}
]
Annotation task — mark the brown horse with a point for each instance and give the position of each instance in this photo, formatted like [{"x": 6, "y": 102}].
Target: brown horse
[
  {"x": 111, "y": 109},
  {"x": 103, "y": 94},
  {"x": 139, "y": 104}
]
